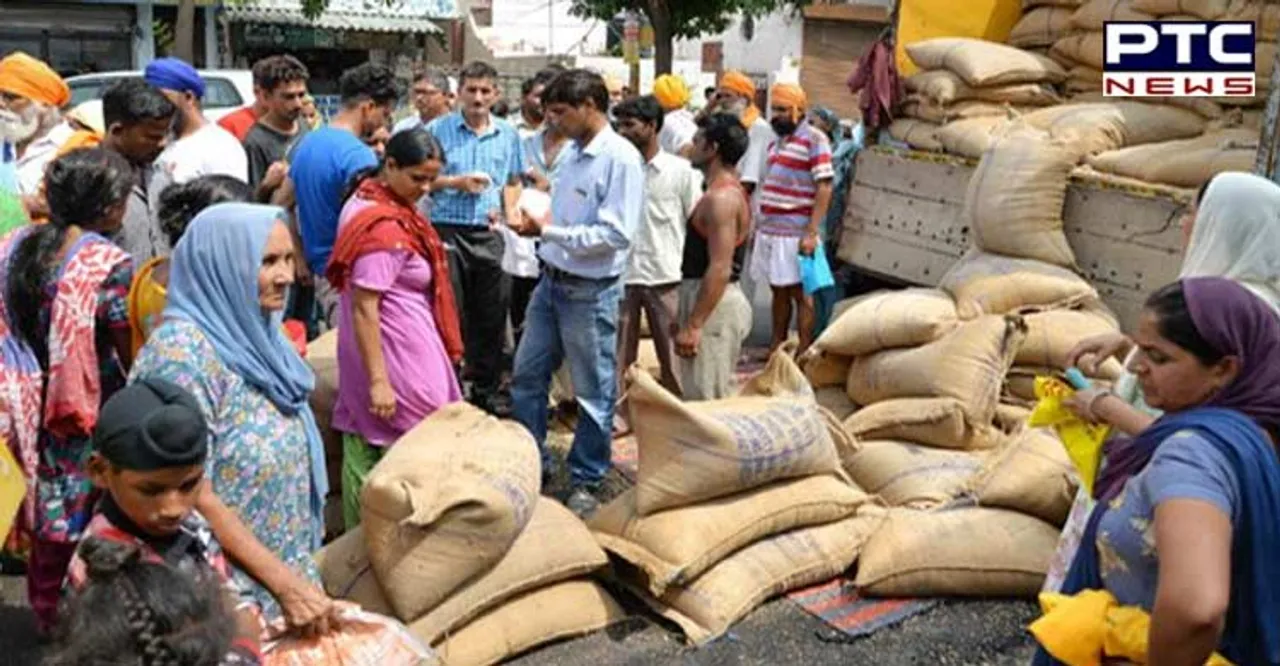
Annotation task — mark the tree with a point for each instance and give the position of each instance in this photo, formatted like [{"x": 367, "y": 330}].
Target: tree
[
  {"x": 184, "y": 32},
  {"x": 685, "y": 19}
]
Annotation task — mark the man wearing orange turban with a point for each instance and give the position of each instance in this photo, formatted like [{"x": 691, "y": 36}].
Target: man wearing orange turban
[
  {"x": 31, "y": 95},
  {"x": 736, "y": 95},
  {"x": 795, "y": 193}
]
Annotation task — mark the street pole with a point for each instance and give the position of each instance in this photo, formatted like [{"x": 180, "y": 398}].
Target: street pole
[{"x": 1265, "y": 164}]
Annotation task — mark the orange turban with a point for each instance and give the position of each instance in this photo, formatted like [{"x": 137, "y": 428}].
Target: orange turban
[
  {"x": 24, "y": 76},
  {"x": 739, "y": 83},
  {"x": 671, "y": 91},
  {"x": 790, "y": 95}
]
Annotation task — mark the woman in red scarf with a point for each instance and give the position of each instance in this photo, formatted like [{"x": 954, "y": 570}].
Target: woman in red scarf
[{"x": 398, "y": 331}]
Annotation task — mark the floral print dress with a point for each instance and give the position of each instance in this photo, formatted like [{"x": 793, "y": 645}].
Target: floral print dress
[{"x": 258, "y": 458}]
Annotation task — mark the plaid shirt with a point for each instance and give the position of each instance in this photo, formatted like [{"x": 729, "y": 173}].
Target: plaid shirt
[{"x": 496, "y": 152}]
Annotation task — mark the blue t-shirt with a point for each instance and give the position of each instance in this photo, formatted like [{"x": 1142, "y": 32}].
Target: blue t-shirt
[
  {"x": 322, "y": 165},
  {"x": 1184, "y": 467}
]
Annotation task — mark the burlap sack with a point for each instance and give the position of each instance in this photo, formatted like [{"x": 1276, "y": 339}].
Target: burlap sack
[
  {"x": 1082, "y": 48},
  {"x": 1184, "y": 163},
  {"x": 937, "y": 422},
  {"x": 907, "y": 474},
  {"x": 958, "y": 552},
  {"x": 835, "y": 400},
  {"x": 971, "y": 137},
  {"x": 1081, "y": 81},
  {"x": 322, "y": 355},
  {"x": 1095, "y": 13},
  {"x": 927, "y": 110},
  {"x": 984, "y": 283},
  {"x": 1014, "y": 202},
  {"x": 1032, "y": 475},
  {"x": 1094, "y": 128},
  {"x": 890, "y": 320},
  {"x": 1011, "y": 419},
  {"x": 1041, "y": 26},
  {"x": 1194, "y": 168},
  {"x": 826, "y": 370},
  {"x": 556, "y": 546},
  {"x": 1201, "y": 106},
  {"x": 967, "y": 364},
  {"x": 347, "y": 574},
  {"x": 707, "y": 607},
  {"x": 1028, "y": 5},
  {"x": 1205, "y": 9},
  {"x": 1051, "y": 335},
  {"x": 439, "y": 509},
  {"x": 692, "y": 452},
  {"x": 1265, "y": 17},
  {"x": 1020, "y": 383},
  {"x": 676, "y": 546},
  {"x": 915, "y": 133},
  {"x": 944, "y": 87},
  {"x": 782, "y": 378},
  {"x": 983, "y": 63},
  {"x": 561, "y": 611}
]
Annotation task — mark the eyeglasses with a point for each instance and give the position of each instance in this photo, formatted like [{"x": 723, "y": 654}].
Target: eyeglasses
[{"x": 426, "y": 92}]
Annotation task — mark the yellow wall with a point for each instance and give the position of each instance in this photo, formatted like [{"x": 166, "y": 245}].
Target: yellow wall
[{"x": 925, "y": 19}]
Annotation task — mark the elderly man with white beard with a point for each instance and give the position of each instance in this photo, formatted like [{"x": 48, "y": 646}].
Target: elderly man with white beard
[{"x": 31, "y": 97}]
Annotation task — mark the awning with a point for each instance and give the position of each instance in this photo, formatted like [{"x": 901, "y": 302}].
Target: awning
[{"x": 405, "y": 16}]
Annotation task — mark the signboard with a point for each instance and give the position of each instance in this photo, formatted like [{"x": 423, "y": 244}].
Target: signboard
[{"x": 278, "y": 36}]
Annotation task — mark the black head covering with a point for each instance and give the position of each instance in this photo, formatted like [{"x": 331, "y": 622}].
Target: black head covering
[{"x": 152, "y": 424}]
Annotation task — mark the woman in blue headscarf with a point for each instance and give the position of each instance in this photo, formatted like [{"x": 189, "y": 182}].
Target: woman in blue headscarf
[{"x": 221, "y": 339}]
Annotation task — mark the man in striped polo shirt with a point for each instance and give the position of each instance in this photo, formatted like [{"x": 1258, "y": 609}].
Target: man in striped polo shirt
[{"x": 794, "y": 198}]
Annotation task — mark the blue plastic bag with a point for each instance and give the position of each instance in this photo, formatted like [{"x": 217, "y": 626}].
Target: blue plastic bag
[{"x": 815, "y": 272}]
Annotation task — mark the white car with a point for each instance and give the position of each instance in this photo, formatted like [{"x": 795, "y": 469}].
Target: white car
[{"x": 225, "y": 89}]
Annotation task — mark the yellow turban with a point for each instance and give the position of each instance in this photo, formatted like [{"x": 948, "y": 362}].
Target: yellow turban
[
  {"x": 789, "y": 95},
  {"x": 671, "y": 91},
  {"x": 24, "y": 76},
  {"x": 739, "y": 83}
]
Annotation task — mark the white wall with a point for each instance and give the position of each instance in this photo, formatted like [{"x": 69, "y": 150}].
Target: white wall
[
  {"x": 528, "y": 26},
  {"x": 689, "y": 70},
  {"x": 777, "y": 36}
]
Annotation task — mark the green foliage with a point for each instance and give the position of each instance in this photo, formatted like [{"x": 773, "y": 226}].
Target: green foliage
[{"x": 689, "y": 18}]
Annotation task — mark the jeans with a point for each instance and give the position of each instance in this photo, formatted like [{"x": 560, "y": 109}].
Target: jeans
[{"x": 574, "y": 319}]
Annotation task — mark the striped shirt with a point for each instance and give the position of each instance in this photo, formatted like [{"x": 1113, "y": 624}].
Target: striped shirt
[
  {"x": 496, "y": 152},
  {"x": 796, "y": 164}
]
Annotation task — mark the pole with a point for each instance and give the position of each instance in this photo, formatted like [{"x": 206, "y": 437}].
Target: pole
[{"x": 1269, "y": 140}]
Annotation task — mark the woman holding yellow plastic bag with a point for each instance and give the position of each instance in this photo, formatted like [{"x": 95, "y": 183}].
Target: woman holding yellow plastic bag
[
  {"x": 1232, "y": 231},
  {"x": 1185, "y": 529}
]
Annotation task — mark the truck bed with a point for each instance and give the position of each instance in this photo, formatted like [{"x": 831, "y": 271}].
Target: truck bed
[{"x": 903, "y": 220}]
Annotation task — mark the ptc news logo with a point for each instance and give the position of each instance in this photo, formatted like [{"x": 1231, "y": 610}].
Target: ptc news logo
[{"x": 1178, "y": 59}]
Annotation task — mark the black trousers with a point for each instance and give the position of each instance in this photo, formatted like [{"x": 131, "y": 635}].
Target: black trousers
[{"x": 482, "y": 292}]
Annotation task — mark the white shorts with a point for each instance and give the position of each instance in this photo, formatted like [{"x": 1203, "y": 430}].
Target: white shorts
[{"x": 776, "y": 260}]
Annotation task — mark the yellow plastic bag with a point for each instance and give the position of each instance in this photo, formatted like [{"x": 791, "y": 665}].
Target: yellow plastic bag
[
  {"x": 13, "y": 487},
  {"x": 1083, "y": 440}
]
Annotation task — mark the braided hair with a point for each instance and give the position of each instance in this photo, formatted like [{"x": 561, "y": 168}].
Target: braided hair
[
  {"x": 143, "y": 613},
  {"x": 180, "y": 203}
]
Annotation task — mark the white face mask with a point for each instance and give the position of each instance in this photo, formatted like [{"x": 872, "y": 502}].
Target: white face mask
[{"x": 19, "y": 127}]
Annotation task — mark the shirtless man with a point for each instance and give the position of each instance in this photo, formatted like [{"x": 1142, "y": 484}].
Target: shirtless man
[{"x": 714, "y": 314}]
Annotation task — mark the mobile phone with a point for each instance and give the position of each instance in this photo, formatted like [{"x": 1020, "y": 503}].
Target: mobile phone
[{"x": 1077, "y": 379}]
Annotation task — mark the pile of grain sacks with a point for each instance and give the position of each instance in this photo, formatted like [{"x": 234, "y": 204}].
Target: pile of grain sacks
[
  {"x": 735, "y": 501},
  {"x": 457, "y": 543}
]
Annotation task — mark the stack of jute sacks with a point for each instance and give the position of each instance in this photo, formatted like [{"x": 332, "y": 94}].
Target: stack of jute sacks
[
  {"x": 322, "y": 355},
  {"x": 1043, "y": 23},
  {"x": 456, "y": 542},
  {"x": 736, "y": 500},
  {"x": 970, "y": 79}
]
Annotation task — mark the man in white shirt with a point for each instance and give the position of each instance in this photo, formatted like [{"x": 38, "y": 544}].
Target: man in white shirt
[
  {"x": 199, "y": 147},
  {"x": 672, "y": 189},
  {"x": 31, "y": 94},
  {"x": 678, "y": 127},
  {"x": 430, "y": 93}
]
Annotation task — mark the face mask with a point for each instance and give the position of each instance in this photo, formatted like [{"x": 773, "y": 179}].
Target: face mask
[{"x": 783, "y": 126}]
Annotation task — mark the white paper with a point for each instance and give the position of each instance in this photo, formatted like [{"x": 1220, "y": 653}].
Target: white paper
[{"x": 535, "y": 202}]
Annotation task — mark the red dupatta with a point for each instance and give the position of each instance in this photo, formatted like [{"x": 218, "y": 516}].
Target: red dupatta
[{"x": 391, "y": 223}]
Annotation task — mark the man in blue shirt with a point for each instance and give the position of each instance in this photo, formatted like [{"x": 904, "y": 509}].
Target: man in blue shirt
[
  {"x": 479, "y": 186},
  {"x": 573, "y": 315},
  {"x": 324, "y": 162}
]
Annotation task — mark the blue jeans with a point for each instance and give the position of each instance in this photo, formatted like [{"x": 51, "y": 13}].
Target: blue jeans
[{"x": 577, "y": 320}]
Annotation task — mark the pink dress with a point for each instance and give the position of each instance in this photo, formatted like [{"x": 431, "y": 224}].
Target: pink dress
[{"x": 418, "y": 366}]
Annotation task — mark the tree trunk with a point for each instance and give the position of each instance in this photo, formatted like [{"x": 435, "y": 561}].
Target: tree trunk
[
  {"x": 184, "y": 31},
  {"x": 663, "y": 47}
]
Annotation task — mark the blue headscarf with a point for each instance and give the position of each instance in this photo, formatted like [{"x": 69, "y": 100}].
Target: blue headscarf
[
  {"x": 174, "y": 74},
  {"x": 213, "y": 283}
]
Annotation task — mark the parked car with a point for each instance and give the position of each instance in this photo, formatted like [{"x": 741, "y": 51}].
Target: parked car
[{"x": 225, "y": 89}]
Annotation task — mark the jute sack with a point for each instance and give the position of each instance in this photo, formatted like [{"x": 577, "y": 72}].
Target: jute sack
[
  {"x": 707, "y": 607},
  {"x": 1183, "y": 163},
  {"x": 1201, "y": 106},
  {"x": 834, "y": 399},
  {"x": 984, "y": 283},
  {"x": 1194, "y": 168},
  {"x": 1012, "y": 419},
  {"x": 1265, "y": 17},
  {"x": 1205, "y": 9},
  {"x": 972, "y": 551},
  {"x": 967, "y": 364},
  {"x": 1094, "y": 14},
  {"x": 907, "y": 474},
  {"x": 971, "y": 137},
  {"x": 1094, "y": 128},
  {"x": 439, "y": 510},
  {"x": 1083, "y": 79},
  {"x": 675, "y": 546},
  {"x": 915, "y": 133},
  {"x": 322, "y": 356},
  {"x": 937, "y": 422},
  {"x": 782, "y": 378},
  {"x": 1015, "y": 197},
  {"x": 1020, "y": 383},
  {"x": 1041, "y": 26},
  {"x": 1083, "y": 48},
  {"x": 561, "y": 611},
  {"x": 1051, "y": 335},
  {"x": 983, "y": 63},
  {"x": 1031, "y": 475},
  {"x": 943, "y": 87},
  {"x": 925, "y": 109},
  {"x": 698, "y": 451},
  {"x": 826, "y": 370},
  {"x": 890, "y": 320},
  {"x": 1027, "y": 5},
  {"x": 556, "y": 546},
  {"x": 347, "y": 574}
]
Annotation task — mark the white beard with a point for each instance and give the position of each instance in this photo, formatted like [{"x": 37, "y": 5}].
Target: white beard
[{"x": 19, "y": 127}]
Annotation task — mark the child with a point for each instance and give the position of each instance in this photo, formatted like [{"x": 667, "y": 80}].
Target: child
[{"x": 149, "y": 449}]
